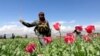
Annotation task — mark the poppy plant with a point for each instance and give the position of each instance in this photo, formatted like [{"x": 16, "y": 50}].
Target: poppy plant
[
  {"x": 90, "y": 29},
  {"x": 30, "y": 47},
  {"x": 78, "y": 28},
  {"x": 70, "y": 34},
  {"x": 69, "y": 38},
  {"x": 57, "y": 26},
  {"x": 86, "y": 38},
  {"x": 47, "y": 40}
]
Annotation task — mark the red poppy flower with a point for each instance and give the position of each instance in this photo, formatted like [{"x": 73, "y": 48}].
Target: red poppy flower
[
  {"x": 78, "y": 28},
  {"x": 69, "y": 38},
  {"x": 90, "y": 28},
  {"x": 57, "y": 26},
  {"x": 30, "y": 47},
  {"x": 86, "y": 38},
  {"x": 70, "y": 34},
  {"x": 47, "y": 40}
]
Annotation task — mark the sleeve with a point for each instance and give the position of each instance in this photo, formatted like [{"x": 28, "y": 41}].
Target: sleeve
[
  {"x": 48, "y": 24},
  {"x": 29, "y": 24},
  {"x": 49, "y": 33}
]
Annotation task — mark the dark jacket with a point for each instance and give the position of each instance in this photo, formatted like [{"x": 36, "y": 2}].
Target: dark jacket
[{"x": 35, "y": 23}]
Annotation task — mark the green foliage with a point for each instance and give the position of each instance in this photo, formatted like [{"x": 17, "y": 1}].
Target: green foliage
[
  {"x": 15, "y": 47},
  {"x": 18, "y": 37}
]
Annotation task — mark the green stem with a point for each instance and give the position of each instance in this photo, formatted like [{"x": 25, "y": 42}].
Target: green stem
[
  {"x": 30, "y": 54},
  {"x": 39, "y": 44},
  {"x": 60, "y": 35},
  {"x": 70, "y": 51}
]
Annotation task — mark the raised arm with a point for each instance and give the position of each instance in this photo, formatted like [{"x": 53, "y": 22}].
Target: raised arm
[{"x": 28, "y": 24}]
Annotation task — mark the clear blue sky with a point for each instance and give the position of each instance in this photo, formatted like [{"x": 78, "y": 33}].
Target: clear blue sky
[{"x": 82, "y": 11}]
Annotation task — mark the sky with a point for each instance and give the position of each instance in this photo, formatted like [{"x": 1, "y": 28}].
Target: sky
[{"x": 67, "y": 12}]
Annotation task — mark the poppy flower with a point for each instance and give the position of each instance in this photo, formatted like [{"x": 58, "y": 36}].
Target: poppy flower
[
  {"x": 69, "y": 34},
  {"x": 69, "y": 38},
  {"x": 47, "y": 40},
  {"x": 86, "y": 38},
  {"x": 57, "y": 26},
  {"x": 78, "y": 28},
  {"x": 30, "y": 47},
  {"x": 90, "y": 29}
]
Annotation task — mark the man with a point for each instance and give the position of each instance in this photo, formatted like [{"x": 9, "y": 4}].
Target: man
[
  {"x": 77, "y": 32},
  {"x": 41, "y": 27}
]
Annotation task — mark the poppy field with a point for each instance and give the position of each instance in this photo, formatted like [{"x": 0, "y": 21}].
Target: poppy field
[
  {"x": 58, "y": 47},
  {"x": 71, "y": 44}
]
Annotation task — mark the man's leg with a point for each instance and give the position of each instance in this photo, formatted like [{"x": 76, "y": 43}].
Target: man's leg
[{"x": 41, "y": 40}]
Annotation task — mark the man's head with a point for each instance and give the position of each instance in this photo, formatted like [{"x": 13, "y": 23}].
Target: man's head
[{"x": 41, "y": 16}]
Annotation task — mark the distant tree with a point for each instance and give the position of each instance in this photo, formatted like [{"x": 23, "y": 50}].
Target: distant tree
[
  {"x": 19, "y": 36},
  {"x": 4, "y": 36},
  {"x": 13, "y": 35},
  {"x": 26, "y": 36},
  {"x": 0, "y": 36}
]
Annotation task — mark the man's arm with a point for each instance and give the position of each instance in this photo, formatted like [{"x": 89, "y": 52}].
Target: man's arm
[
  {"x": 49, "y": 33},
  {"x": 28, "y": 24},
  {"x": 48, "y": 24}
]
